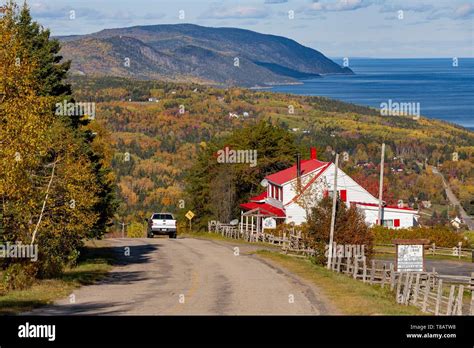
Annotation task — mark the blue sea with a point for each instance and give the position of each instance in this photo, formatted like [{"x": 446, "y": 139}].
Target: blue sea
[{"x": 444, "y": 92}]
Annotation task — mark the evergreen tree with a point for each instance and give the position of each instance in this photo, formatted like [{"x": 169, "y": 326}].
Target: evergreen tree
[
  {"x": 209, "y": 182},
  {"x": 50, "y": 71}
]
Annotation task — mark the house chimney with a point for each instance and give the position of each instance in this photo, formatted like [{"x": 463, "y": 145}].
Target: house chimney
[{"x": 314, "y": 153}]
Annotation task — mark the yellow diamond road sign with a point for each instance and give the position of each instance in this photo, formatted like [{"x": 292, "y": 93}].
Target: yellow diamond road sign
[{"x": 189, "y": 215}]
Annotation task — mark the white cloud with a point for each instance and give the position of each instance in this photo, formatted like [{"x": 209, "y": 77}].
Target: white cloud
[
  {"x": 275, "y": 1},
  {"x": 464, "y": 11},
  {"x": 237, "y": 12},
  {"x": 339, "y": 5}
]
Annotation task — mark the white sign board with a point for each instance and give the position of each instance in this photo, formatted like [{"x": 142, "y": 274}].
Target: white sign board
[
  {"x": 409, "y": 258},
  {"x": 269, "y": 223}
]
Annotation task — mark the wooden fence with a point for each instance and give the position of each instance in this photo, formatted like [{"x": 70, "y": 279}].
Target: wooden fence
[
  {"x": 433, "y": 293},
  {"x": 290, "y": 241},
  {"x": 429, "y": 291}
]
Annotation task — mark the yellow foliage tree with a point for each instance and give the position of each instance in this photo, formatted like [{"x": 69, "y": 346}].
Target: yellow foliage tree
[{"x": 47, "y": 185}]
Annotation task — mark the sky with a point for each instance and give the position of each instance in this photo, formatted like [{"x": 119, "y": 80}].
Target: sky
[{"x": 337, "y": 28}]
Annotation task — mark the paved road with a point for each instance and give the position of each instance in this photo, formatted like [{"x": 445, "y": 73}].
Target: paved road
[
  {"x": 192, "y": 276},
  {"x": 455, "y": 201}
]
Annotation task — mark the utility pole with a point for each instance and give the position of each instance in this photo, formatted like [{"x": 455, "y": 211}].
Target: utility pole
[
  {"x": 123, "y": 228},
  {"x": 382, "y": 161},
  {"x": 333, "y": 216}
]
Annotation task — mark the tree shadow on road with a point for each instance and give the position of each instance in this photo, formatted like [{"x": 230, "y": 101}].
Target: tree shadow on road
[{"x": 94, "y": 266}]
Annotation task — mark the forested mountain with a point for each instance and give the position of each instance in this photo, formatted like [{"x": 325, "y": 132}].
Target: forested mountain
[
  {"x": 187, "y": 52},
  {"x": 157, "y": 142}
]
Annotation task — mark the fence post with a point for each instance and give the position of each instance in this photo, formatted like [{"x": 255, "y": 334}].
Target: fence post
[
  {"x": 392, "y": 276},
  {"x": 449, "y": 309},
  {"x": 471, "y": 285},
  {"x": 384, "y": 274},
  {"x": 433, "y": 249},
  {"x": 364, "y": 271},
  {"x": 399, "y": 287},
  {"x": 417, "y": 288},
  {"x": 438, "y": 296},
  {"x": 408, "y": 284},
  {"x": 356, "y": 268},
  {"x": 425, "y": 297},
  {"x": 459, "y": 249},
  {"x": 372, "y": 272},
  {"x": 339, "y": 259},
  {"x": 459, "y": 300}
]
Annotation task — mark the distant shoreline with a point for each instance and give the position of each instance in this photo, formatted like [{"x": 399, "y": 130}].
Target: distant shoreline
[{"x": 442, "y": 88}]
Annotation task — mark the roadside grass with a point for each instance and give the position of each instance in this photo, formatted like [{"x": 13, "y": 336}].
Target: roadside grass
[
  {"x": 95, "y": 262},
  {"x": 350, "y": 296}
]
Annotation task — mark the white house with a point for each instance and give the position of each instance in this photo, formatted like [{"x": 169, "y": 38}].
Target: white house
[{"x": 290, "y": 195}]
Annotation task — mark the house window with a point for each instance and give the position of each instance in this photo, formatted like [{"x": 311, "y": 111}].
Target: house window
[
  {"x": 342, "y": 194},
  {"x": 277, "y": 193},
  {"x": 273, "y": 191},
  {"x": 389, "y": 223}
]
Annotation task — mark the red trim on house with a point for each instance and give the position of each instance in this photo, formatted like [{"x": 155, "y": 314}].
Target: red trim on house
[{"x": 266, "y": 209}]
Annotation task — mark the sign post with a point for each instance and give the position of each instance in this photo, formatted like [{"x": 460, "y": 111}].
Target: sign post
[
  {"x": 410, "y": 255},
  {"x": 189, "y": 215}
]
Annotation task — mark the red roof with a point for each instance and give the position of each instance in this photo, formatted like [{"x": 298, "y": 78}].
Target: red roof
[
  {"x": 289, "y": 174},
  {"x": 265, "y": 209},
  {"x": 260, "y": 198},
  {"x": 385, "y": 206}
]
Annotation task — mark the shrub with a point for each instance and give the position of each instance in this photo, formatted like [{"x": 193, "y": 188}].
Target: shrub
[
  {"x": 469, "y": 238},
  {"x": 18, "y": 276},
  {"x": 136, "y": 230},
  {"x": 350, "y": 229},
  {"x": 440, "y": 235}
]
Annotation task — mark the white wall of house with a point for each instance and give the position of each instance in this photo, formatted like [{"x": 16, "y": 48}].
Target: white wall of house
[
  {"x": 354, "y": 193},
  {"x": 295, "y": 214},
  {"x": 407, "y": 218}
]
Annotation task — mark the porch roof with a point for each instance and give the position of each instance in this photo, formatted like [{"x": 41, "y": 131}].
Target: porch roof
[{"x": 264, "y": 209}]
